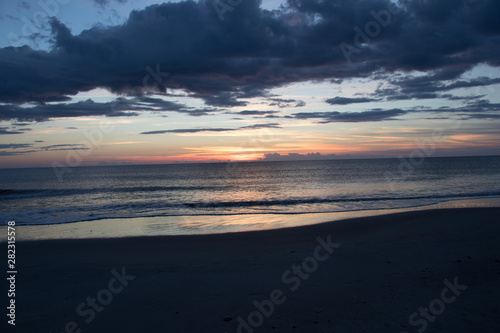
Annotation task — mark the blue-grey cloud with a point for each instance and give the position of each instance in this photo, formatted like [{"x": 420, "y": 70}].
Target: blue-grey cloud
[
  {"x": 352, "y": 117},
  {"x": 121, "y": 107},
  {"x": 431, "y": 86},
  {"x": 198, "y": 130},
  {"x": 254, "y": 113},
  {"x": 12, "y": 153},
  {"x": 22, "y": 148},
  {"x": 15, "y": 145},
  {"x": 253, "y": 50},
  {"x": 350, "y": 100},
  {"x": 103, "y": 3},
  {"x": 65, "y": 146},
  {"x": 6, "y": 131},
  {"x": 286, "y": 103}
]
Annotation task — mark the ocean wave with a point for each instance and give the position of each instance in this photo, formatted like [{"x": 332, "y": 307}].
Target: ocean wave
[
  {"x": 69, "y": 214},
  {"x": 6, "y": 194},
  {"x": 286, "y": 202}
]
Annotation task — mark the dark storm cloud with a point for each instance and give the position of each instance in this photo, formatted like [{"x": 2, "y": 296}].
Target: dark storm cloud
[
  {"x": 197, "y": 130},
  {"x": 484, "y": 16},
  {"x": 187, "y": 46},
  {"x": 348, "y": 100},
  {"x": 352, "y": 117}
]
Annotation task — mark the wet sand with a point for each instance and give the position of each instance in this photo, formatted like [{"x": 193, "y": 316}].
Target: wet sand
[{"x": 433, "y": 270}]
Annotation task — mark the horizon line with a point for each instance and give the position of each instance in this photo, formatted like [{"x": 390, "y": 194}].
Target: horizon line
[{"x": 341, "y": 157}]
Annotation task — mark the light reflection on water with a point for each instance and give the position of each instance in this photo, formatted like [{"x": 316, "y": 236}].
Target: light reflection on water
[
  {"x": 190, "y": 225},
  {"x": 35, "y": 197}
]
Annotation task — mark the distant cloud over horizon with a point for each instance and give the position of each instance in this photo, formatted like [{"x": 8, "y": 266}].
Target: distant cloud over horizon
[
  {"x": 198, "y": 130},
  {"x": 297, "y": 157}
]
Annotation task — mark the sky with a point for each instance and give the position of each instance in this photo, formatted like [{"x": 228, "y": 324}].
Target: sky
[{"x": 104, "y": 82}]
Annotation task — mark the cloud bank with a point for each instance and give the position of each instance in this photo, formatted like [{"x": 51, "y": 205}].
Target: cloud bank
[{"x": 253, "y": 50}]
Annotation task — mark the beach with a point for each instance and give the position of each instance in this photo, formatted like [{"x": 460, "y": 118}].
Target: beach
[
  {"x": 429, "y": 270},
  {"x": 272, "y": 166}
]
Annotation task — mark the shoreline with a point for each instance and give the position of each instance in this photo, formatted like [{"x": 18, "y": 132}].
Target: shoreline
[
  {"x": 383, "y": 270},
  {"x": 211, "y": 224}
]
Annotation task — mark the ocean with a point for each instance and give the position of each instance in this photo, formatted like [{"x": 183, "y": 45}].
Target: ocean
[{"x": 37, "y": 197}]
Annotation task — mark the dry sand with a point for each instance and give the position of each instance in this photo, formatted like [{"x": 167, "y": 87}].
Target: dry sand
[{"x": 439, "y": 269}]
